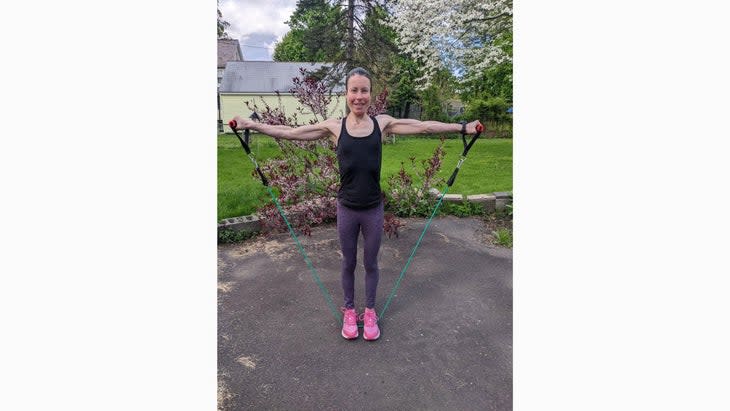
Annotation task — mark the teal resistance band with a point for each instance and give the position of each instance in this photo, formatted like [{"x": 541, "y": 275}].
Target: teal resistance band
[
  {"x": 306, "y": 259},
  {"x": 326, "y": 294},
  {"x": 265, "y": 182},
  {"x": 402, "y": 273},
  {"x": 467, "y": 147}
]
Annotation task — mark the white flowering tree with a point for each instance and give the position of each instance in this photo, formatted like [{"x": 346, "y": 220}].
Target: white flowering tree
[{"x": 465, "y": 36}]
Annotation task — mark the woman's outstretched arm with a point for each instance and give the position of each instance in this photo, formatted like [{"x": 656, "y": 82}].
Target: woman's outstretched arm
[
  {"x": 308, "y": 132},
  {"x": 393, "y": 125}
]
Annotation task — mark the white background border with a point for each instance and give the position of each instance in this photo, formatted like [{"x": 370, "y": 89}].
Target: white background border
[{"x": 108, "y": 294}]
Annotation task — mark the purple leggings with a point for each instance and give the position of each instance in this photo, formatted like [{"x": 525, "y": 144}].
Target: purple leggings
[{"x": 349, "y": 224}]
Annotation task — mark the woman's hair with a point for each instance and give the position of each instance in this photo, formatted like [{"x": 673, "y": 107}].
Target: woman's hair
[{"x": 359, "y": 71}]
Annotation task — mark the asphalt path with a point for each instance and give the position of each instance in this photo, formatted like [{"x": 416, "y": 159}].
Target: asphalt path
[{"x": 446, "y": 337}]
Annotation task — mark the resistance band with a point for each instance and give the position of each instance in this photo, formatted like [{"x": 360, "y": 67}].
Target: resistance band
[
  {"x": 467, "y": 147},
  {"x": 264, "y": 181}
]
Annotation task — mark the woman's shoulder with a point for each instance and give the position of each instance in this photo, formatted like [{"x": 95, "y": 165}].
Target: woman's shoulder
[
  {"x": 334, "y": 125},
  {"x": 331, "y": 122},
  {"x": 383, "y": 119}
]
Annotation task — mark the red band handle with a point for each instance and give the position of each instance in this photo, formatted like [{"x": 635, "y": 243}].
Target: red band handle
[
  {"x": 232, "y": 124},
  {"x": 480, "y": 128}
]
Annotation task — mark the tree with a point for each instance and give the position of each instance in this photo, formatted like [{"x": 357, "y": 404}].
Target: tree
[
  {"x": 346, "y": 34},
  {"x": 433, "y": 98},
  {"x": 496, "y": 81},
  {"x": 465, "y": 36},
  {"x": 376, "y": 47},
  {"x": 291, "y": 48},
  {"x": 222, "y": 25},
  {"x": 316, "y": 33},
  {"x": 403, "y": 85}
]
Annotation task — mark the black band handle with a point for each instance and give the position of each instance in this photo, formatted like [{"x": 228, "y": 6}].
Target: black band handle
[
  {"x": 453, "y": 177},
  {"x": 232, "y": 124},
  {"x": 467, "y": 147}
]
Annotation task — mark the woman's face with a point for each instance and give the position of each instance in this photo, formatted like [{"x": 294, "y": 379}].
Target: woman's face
[{"x": 358, "y": 94}]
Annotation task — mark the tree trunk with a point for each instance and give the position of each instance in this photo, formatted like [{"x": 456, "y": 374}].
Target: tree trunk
[{"x": 350, "y": 52}]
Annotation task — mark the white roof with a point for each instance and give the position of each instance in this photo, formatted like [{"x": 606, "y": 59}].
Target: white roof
[{"x": 264, "y": 76}]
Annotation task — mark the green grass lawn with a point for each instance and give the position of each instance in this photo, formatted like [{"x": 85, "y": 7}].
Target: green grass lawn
[{"x": 487, "y": 168}]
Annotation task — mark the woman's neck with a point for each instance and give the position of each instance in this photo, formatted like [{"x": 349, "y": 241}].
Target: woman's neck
[{"x": 358, "y": 119}]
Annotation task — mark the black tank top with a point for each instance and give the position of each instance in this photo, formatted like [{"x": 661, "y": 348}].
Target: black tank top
[{"x": 359, "y": 159}]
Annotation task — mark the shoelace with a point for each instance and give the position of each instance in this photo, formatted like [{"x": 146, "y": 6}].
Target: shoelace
[
  {"x": 350, "y": 316},
  {"x": 368, "y": 318}
]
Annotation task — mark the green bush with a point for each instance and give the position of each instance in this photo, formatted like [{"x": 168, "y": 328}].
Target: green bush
[
  {"x": 493, "y": 114},
  {"x": 432, "y": 106},
  {"x": 503, "y": 237},
  {"x": 463, "y": 209},
  {"x": 492, "y": 109},
  {"x": 227, "y": 236},
  {"x": 409, "y": 196}
]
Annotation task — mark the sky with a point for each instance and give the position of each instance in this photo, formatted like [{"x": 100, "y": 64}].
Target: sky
[{"x": 257, "y": 25}]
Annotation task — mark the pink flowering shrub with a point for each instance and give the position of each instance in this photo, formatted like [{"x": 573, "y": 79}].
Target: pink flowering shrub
[
  {"x": 407, "y": 199},
  {"x": 306, "y": 181}
]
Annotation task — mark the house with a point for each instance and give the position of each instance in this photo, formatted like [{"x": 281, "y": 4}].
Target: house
[
  {"x": 454, "y": 107},
  {"x": 228, "y": 50},
  {"x": 258, "y": 82}
]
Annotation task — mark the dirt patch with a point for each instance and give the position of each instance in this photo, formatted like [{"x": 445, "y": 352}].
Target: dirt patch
[
  {"x": 247, "y": 362},
  {"x": 276, "y": 249},
  {"x": 226, "y": 286},
  {"x": 225, "y": 396},
  {"x": 493, "y": 223}
]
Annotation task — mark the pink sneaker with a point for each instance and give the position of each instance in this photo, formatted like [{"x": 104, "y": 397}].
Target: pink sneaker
[
  {"x": 349, "y": 323},
  {"x": 370, "y": 329}
]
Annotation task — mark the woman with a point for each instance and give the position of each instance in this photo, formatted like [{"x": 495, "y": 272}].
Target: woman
[{"x": 358, "y": 138}]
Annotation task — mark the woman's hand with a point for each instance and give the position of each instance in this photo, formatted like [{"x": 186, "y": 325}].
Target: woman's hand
[
  {"x": 471, "y": 128},
  {"x": 243, "y": 123}
]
